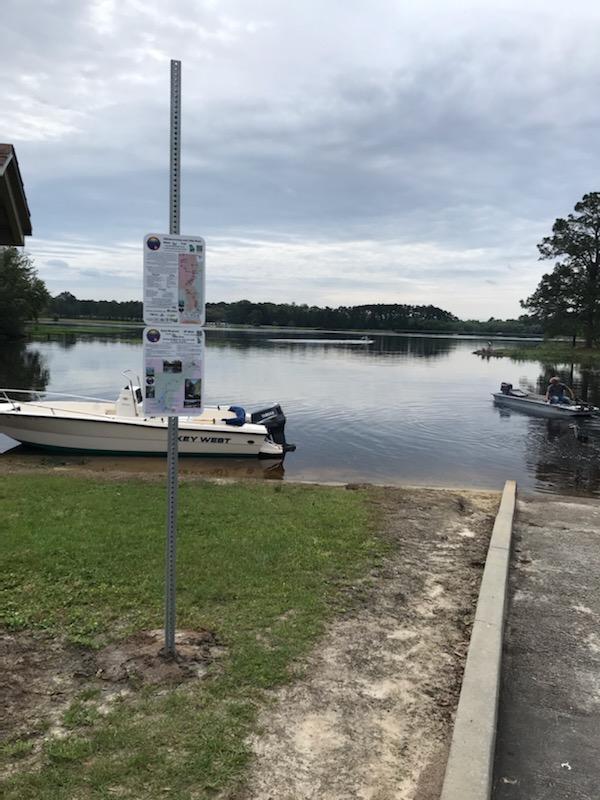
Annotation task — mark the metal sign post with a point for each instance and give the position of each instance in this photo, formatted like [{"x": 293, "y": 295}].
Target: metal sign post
[{"x": 172, "y": 440}]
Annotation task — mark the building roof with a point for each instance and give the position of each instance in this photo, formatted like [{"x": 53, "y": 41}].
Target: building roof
[{"x": 15, "y": 219}]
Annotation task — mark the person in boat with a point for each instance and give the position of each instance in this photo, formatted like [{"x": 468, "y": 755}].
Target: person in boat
[{"x": 557, "y": 391}]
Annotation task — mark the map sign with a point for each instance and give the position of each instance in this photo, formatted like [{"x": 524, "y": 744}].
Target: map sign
[
  {"x": 174, "y": 276},
  {"x": 173, "y": 371}
]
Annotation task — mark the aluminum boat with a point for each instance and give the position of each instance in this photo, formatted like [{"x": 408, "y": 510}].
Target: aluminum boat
[
  {"x": 92, "y": 425},
  {"x": 536, "y": 404}
]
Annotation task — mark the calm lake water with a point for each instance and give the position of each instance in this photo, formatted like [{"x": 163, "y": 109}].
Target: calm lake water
[{"x": 404, "y": 410}]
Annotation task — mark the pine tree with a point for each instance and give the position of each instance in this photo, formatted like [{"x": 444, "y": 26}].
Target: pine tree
[{"x": 568, "y": 298}]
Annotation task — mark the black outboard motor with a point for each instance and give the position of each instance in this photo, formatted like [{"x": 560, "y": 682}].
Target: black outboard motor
[
  {"x": 506, "y": 388},
  {"x": 273, "y": 419}
]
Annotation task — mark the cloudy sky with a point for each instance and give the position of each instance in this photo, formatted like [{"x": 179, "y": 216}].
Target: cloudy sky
[{"x": 334, "y": 151}]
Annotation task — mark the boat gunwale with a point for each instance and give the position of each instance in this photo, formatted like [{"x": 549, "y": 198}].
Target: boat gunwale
[
  {"x": 144, "y": 422},
  {"x": 550, "y": 409}
]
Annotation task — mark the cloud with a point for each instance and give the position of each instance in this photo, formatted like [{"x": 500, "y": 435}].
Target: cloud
[
  {"x": 400, "y": 152},
  {"x": 332, "y": 272}
]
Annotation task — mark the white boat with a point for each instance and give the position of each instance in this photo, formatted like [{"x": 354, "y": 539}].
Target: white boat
[
  {"x": 536, "y": 404},
  {"x": 92, "y": 425}
]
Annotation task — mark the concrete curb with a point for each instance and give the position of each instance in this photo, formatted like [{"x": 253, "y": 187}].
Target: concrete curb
[{"x": 471, "y": 761}]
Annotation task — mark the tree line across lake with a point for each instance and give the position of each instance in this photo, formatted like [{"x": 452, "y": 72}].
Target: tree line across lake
[
  {"x": 566, "y": 301},
  {"x": 374, "y": 317}
]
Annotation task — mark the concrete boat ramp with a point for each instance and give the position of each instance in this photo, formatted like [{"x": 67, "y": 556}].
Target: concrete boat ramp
[
  {"x": 548, "y": 740},
  {"x": 527, "y": 725}
]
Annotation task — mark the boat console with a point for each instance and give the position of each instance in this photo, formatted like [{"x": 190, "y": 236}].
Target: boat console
[{"x": 128, "y": 401}]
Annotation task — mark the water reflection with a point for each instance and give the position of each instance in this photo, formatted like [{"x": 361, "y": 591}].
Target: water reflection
[
  {"x": 22, "y": 367},
  {"x": 565, "y": 455},
  {"x": 415, "y": 347},
  {"x": 409, "y": 346},
  {"x": 66, "y": 341}
]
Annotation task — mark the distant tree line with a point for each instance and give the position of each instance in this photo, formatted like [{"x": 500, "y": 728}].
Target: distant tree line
[
  {"x": 371, "y": 317},
  {"x": 67, "y": 306},
  {"x": 374, "y": 317}
]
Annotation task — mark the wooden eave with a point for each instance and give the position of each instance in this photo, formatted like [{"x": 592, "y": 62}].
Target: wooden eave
[{"x": 15, "y": 218}]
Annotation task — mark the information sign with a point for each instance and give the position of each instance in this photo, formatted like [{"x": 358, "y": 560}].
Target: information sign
[
  {"x": 174, "y": 278},
  {"x": 173, "y": 370}
]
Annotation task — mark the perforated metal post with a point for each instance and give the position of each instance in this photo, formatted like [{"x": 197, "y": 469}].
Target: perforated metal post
[
  {"x": 175, "y": 146},
  {"x": 173, "y": 429}
]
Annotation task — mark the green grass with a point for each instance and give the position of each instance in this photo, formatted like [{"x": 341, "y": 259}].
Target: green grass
[
  {"x": 41, "y": 328},
  {"x": 264, "y": 566},
  {"x": 18, "y": 748},
  {"x": 555, "y": 353}
]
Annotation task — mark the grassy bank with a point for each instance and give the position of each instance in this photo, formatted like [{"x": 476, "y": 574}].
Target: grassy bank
[
  {"x": 81, "y": 325},
  {"x": 555, "y": 353},
  {"x": 43, "y": 328},
  {"x": 261, "y": 566}
]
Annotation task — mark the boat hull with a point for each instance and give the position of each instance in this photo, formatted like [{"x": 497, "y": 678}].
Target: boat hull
[
  {"x": 39, "y": 427},
  {"x": 540, "y": 408}
]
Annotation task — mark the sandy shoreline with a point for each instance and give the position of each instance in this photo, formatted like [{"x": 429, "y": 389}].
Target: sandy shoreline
[{"x": 371, "y": 714}]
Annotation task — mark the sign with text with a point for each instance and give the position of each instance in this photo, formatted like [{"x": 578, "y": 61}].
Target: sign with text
[
  {"x": 174, "y": 278},
  {"x": 173, "y": 370}
]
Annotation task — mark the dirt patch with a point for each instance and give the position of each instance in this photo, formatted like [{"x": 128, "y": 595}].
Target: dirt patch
[
  {"x": 140, "y": 658},
  {"x": 371, "y": 718},
  {"x": 41, "y": 675}
]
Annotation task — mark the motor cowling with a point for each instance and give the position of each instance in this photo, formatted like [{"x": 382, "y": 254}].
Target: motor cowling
[{"x": 274, "y": 421}]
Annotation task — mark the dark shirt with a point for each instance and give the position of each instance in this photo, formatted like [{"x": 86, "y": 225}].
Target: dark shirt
[{"x": 557, "y": 390}]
